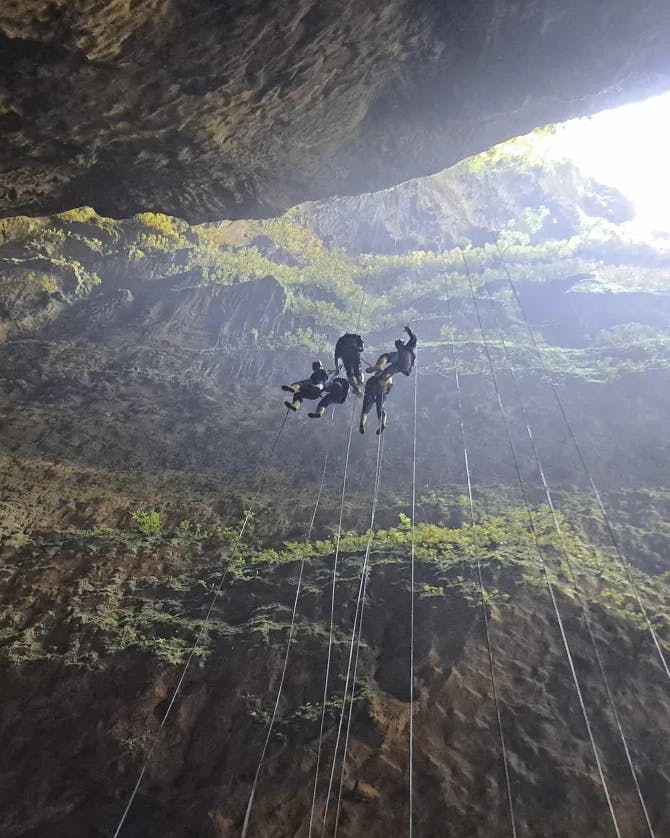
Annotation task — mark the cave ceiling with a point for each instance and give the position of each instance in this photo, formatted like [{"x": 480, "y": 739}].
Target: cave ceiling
[{"x": 208, "y": 109}]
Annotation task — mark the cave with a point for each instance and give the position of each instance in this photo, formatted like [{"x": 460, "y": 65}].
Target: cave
[{"x": 226, "y": 611}]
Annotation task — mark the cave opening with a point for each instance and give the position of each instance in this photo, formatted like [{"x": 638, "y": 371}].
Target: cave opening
[{"x": 186, "y": 559}]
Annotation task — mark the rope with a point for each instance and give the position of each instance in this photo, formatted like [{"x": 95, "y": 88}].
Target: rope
[
  {"x": 583, "y": 604},
  {"x": 380, "y": 454},
  {"x": 331, "y": 631},
  {"x": 292, "y": 625},
  {"x": 201, "y": 632},
  {"x": 410, "y": 790},
  {"x": 545, "y": 572},
  {"x": 360, "y": 604},
  {"x": 247, "y": 816},
  {"x": 480, "y": 579},
  {"x": 596, "y": 493},
  {"x": 358, "y": 622},
  {"x": 365, "y": 573}
]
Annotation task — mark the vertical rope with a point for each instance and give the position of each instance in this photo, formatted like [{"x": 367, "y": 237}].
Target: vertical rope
[
  {"x": 252, "y": 794},
  {"x": 596, "y": 493},
  {"x": 583, "y": 603},
  {"x": 200, "y": 635},
  {"x": 545, "y": 572},
  {"x": 480, "y": 579},
  {"x": 360, "y": 604},
  {"x": 410, "y": 790},
  {"x": 360, "y": 601},
  {"x": 331, "y": 631}
]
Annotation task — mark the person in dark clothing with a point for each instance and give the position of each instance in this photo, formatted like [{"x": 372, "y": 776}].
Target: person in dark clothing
[
  {"x": 308, "y": 388},
  {"x": 348, "y": 350},
  {"x": 336, "y": 392},
  {"x": 402, "y": 360},
  {"x": 377, "y": 389}
]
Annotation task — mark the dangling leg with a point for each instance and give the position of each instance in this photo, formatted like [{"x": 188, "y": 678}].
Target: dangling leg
[
  {"x": 297, "y": 385},
  {"x": 357, "y": 383},
  {"x": 297, "y": 401},
  {"x": 321, "y": 407},
  {"x": 352, "y": 366},
  {"x": 368, "y": 401}
]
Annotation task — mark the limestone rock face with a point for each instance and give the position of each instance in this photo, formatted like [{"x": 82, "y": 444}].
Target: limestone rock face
[
  {"x": 456, "y": 204},
  {"x": 208, "y": 109},
  {"x": 142, "y": 422}
]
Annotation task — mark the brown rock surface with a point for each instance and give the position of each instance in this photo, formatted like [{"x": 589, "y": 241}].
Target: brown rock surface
[
  {"x": 83, "y": 732},
  {"x": 208, "y": 109},
  {"x": 135, "y": 378}
]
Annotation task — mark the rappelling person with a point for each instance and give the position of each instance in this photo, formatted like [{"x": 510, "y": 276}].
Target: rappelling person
[
  {"x": 336, "y": 392},
  {"x": 377, "y": 389},
  {"x": 402, "y": 360},
  {"x": 309, "y": 388},
  {"x": 348, "y": 351}
]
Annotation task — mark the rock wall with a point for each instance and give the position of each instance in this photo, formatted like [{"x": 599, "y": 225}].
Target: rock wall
[
  {"x": 460, "y": 205},
  {"x": 139, "y": 404},
  {"x": 89, "y": 728},
  {"x": 208, "y": 110}
]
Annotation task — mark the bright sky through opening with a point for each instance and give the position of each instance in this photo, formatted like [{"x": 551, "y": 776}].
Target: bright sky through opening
[{"x": 628, "y": 148}]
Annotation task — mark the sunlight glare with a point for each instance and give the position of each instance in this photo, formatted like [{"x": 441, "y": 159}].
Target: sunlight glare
[{"x": 627, "y": 148}]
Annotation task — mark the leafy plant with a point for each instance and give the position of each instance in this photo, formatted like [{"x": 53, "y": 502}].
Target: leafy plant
[{"x": 148, "y": 523}]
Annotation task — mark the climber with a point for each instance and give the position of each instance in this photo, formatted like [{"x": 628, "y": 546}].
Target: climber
[
  {"x": 309, "y": 388},
  {"x": 336, "y": 392},
  {"x": 348, "y": 350},
  {"x": 377, "y": 389},
  {"x": 402, "y": 360}
]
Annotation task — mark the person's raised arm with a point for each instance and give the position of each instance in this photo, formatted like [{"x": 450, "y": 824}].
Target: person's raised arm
[{"x": 411, "y": 343}]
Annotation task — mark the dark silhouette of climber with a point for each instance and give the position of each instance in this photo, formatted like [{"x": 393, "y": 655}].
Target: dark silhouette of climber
[
  {"x": 336, "y": 392},
  {"x": 377, "y": 389},
  {"x": 308, "y": 388},
  {"x": 348, "y": 350},
  {"x": 402, "y": 360}
]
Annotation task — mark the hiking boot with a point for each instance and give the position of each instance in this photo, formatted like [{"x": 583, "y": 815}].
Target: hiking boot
[
  {"x": 317, "y": 414},
  {"x": 289, "y": 388},
  {"x": 292, "y": 405}
]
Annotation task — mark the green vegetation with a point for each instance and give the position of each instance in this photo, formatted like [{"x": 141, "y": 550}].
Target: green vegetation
[
  {"x": 326, "y": 287},
  {"x": 115, "y": 603},
  {"x": 148, "y": 523},
  {"x": 168, "y": 227},
  {"x": 616, "y": 353},
  {"x": 90, "y": 598},
  {"x": 80, "y": 214},
  {"x": 524, "y": 152}
]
